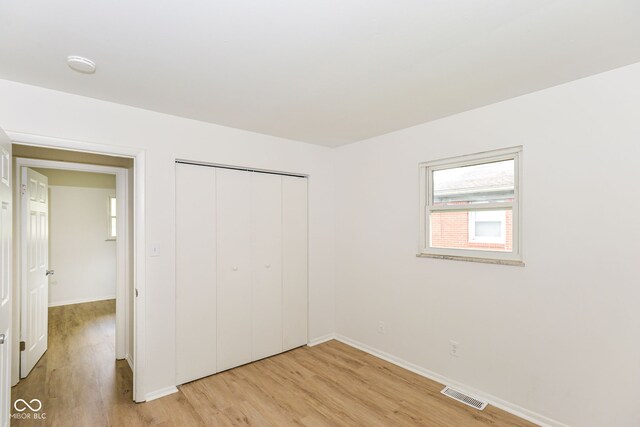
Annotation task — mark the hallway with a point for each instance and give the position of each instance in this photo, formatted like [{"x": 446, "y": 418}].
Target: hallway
[
  {"x": 78, "y": 378},
  {"x": 80, "y": 383}
]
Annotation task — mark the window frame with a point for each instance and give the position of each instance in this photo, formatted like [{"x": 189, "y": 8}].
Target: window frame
[{"x": 427, "y": 207}]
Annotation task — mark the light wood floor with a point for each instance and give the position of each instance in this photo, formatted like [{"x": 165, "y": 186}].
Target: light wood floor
[{"x": 328, "y": 385}]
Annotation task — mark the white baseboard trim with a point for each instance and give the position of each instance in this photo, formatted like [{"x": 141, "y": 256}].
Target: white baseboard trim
[
  {"x": 80, "y": 301},
  {"x": 129, "y": 361},
  {"x": 321, "y": 339},
  {"x": 492, "y": 400},
  {"x": 161, "y": 393}
]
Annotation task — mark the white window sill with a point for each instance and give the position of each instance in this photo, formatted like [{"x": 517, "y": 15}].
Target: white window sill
[{"x": 513, "y": 262}]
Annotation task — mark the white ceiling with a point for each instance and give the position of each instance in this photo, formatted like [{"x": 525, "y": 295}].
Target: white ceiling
[{"x": 323, "y": 71}]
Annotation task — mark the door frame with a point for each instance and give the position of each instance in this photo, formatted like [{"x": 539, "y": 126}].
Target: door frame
[{"x": 139, "y": 253}]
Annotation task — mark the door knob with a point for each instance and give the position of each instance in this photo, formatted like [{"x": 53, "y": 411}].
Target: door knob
[
  {"x": 50, "y": 273},
  {"x": 235, "y": 268},
  {"x": 2, "y": 337}
]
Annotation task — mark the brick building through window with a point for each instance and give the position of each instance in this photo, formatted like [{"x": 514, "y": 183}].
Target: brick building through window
[{"x": 466, "y": 186}]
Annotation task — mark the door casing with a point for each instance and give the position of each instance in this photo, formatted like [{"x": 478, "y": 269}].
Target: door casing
[{"x": 139, "y": 250}]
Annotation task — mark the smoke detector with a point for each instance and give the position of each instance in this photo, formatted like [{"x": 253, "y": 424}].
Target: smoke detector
[{"x": 81, "y": 64}]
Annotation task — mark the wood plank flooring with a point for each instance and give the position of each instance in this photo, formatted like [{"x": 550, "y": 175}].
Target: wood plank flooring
[{"x": 328, "y": 385}]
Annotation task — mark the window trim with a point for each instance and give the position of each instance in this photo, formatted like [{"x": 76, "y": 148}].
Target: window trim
[{"x": 426, "y": 207}]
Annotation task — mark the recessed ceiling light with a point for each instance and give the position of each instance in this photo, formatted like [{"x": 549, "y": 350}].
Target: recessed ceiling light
[{"x": 80, "y": 64}]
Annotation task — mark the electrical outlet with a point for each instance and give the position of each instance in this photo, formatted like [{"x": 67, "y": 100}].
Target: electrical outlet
[
  {"x": 382, "y": 327},
  {"x": 454, "y": 348}
]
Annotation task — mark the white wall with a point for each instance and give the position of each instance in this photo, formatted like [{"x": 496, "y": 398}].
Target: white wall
[
  {"x": 84, "y": 262},
  {"x": 164, "y": 138},
  {"x": 561, "y": 336}
]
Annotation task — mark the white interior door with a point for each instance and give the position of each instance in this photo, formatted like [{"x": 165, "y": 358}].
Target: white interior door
[
  {"x": 233, "y": 201},
  {"x": 294, "y": 259},
  {"x": 266, "y": 254},
  {"x": 35, "y": 262},
  {"x": 5, "y": 281},
  {"x": 195, "y": 272}
]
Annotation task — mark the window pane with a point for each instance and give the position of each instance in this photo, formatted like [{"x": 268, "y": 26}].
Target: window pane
[
  {"x": 483, "y": 183},
  {"x": 112, "y": 208},
  {"x": 489, "y": 231},
  {"x": 113, "y": 227}
]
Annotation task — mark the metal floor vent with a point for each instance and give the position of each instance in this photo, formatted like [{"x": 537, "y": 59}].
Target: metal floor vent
[{"x": 463, "y": 398}]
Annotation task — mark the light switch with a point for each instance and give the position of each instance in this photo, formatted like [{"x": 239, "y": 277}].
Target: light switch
[{"x": 155, "y": 250}]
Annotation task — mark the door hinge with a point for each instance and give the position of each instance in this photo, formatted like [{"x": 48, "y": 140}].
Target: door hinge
[
  {"x": 23, "y": 189},
  {"x": 23, "y": 346}
]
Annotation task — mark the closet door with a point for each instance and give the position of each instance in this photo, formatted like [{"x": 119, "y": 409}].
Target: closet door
[
  {"x": 266, "y": 254},
  {"x": 195, "y": 272},
  {"x": 294, "y": 253},
  {"x": 233, "y": 190}
]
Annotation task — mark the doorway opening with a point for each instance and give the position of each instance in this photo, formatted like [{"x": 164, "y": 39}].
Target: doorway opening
[{"x": 74, "y": 266}]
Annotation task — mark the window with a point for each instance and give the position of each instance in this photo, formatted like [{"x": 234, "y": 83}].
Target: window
[
  {"x": 470, "y": 207},
  {"x": 111, "y": 225}
]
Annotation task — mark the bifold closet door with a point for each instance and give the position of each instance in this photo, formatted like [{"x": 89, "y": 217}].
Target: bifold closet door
[
  {"x": 294, "y": 254},
  {"x": 266, "y": 254},
  {"x": 241, "y": 268},
  {"x": 195, "y": 272},
  {"x": 233, "y": 191}
]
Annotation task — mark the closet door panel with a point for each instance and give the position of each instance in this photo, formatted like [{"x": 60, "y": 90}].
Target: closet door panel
[
  {"x": 266, "y": 253},
  {"x": 233, "y": 192},
  {"x": 294, "y": 272},
  {"x": 195, "y": 272}
]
